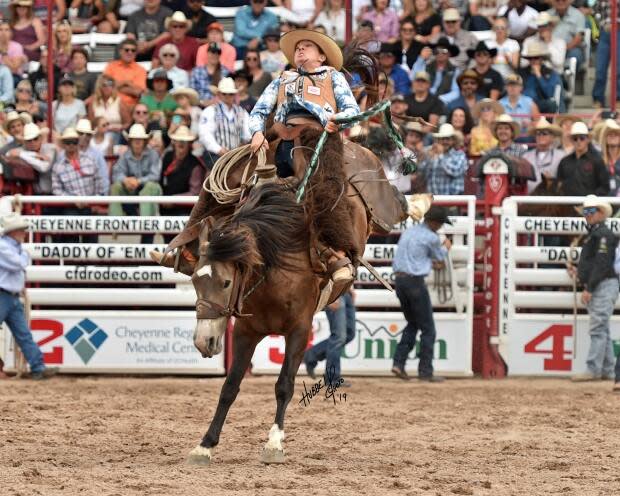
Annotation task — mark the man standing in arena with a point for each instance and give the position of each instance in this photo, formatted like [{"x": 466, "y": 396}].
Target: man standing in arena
[
  {"x": 600, "y": 288},
  {"x": 419, "y": 250},
  {"x": 13, "y": 262}
]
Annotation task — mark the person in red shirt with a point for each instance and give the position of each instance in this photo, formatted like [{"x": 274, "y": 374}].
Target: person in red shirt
[{"x": 178, "y": 25}]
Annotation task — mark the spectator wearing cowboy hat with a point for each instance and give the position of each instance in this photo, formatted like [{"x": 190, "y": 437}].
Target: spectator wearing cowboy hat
[
  {"x": 452, "y": 29},
  {"x": 14, "y": 123},
  {"x": 517, "y": 104},
  {"x": 539, "y": 81},
  {"x": 228, "y": 53},
  {"x": 505, "y": 130},
  {"x": 565, "y": 123},
  {"x": 484, "y": 112},
  {"x": 243, "y": 80},
  {"x": 600, "y": 288},
  {"x": 582, "y": 172},
  {"x": 469, "y": 83},
  {"x": 443, "y": 74},
  {"x": 168, "y": 57},
  {"x": 201, "y": 20},
  {"x": 272, "y": 58},
  {"x": 492, "y": 82},
  {"x": 419, "y": 250},
  {"x": 556, "y": 45},
  {"x": 187, "y": 100},
  {"x": 610, "y": 150},
  {"x": 251, "y": 24},
  {"x": 178, "y": 25},
  {"x": 204, "y": 77},
  {"x": 225, "y": 125},
  {"x": 148, "y": 27},
  {"x": 85, "y": 133},
  {"x": 444, "y": 167},
  {"x": 158, "y": 100},
  {"x": 136, "y": 172},
  {"x": 387, "y": 60},
  {"x": 423, "y": 103},
  {"x": 545, "y": 157},
  {"x": 14, "y": 261}
]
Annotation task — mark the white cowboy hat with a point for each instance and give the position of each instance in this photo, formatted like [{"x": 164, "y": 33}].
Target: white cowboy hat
[
  {"x": 180, "y": 18},
  {"x": 544, "y": 125},
  {"x": 69, "y": 133},
  {"x": 190, "y": 93},
  {"x": 579, "y": 129},
  {"x": 227, "y": 86},
  {"x": 329, "y": 47},
  {"x": 13, "y": 116},
  {"x": 13, "y": 222},
  {"x": 505, "y": 119},
  {"x": 445, "y": 131},
  {"x": 182, "y": 134},
  {"x": 595, "y": 201},
  {"x": 31, "y": 131},
  {"x": 611, "y": 125},
  {"x": 84, "y": 126},
  {"x": 136, "y": 131}
]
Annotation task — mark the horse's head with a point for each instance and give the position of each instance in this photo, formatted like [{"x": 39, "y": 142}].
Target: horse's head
[{"x": 219, "y": 278}]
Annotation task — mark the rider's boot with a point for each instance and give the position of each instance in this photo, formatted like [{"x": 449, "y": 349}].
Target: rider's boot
[{"x": 341, "y": 270}]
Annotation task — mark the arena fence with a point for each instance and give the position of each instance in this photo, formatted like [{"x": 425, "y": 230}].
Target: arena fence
[
  {"x": 543, "y": 326},
  {"x": 105, "y": 307}
]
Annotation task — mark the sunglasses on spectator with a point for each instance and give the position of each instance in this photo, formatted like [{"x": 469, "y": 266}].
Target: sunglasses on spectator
[
  {"x": 580, "y": 137},
  {"x": 104, "y": 124},
  {"x": 499, "y": 28},
  {"x": 442, "y": 51},
  {"x": 140, "y": 111},
  {"x": 407, "y": 30},
  {"x": 469, "y": 82},
  {"x": 33, "y": 139},
  {"x": 24, "y": 90},
  {"x": 70, "y": 142},
  {"x": 167, "y": 54},
  {"x": 486, "y": 109},
  {"x": 131, "y": 50},
  {"x": 177, "y": 26},
  {"x": 543, "y": 133},
  {"x": 450, "y": 22},
  {"x": 589, "y": 211}
]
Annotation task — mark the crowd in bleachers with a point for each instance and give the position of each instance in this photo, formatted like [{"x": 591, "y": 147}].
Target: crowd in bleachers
[{"x": 484, "y": 76}]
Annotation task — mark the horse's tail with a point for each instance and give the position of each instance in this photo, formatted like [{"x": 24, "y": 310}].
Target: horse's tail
[
  {"x": 269, "y": 225},
  {"x": 363, "y": 64}
]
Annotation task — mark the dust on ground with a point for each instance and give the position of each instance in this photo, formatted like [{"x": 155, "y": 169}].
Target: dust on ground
[{"x": 113, "y": 436}]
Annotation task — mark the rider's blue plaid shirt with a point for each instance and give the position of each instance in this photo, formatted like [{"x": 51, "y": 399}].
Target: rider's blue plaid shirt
[{"x": 445, "y": 173}]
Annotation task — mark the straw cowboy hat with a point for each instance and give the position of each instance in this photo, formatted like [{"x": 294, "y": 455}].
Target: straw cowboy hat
[
  {"x": 595, "y": 201},
  {"x": 178, "y": 17},
  {"x": 136, "y": 131},
  {"x": 13, "y": 116},
  {"x": 182, "y": 134},
  {"x": 31, "y": 131},
  {"x": 505, "y": 119},
  {"x": 445, "y": 131},
  {"x": 606, "y": 127},
  {"x": 414, "y": 127},
  {"x": 23, "y": 3},
  {"x": 486, "y": 102},
  {"x": 535, "y": 49},
  {"x": 13, "y": 222},
  {"x": 329, "y": 47},
  {"x": 544, "y": 125},
  {"x": 560, "y": 120},
  {"x": 468, "y": 74},
  {"x": 84, "y": 126},
  {"x": 190, "y": 93},
  {"x": 544, "y": 19},
  {"x": 579, "y": 129},
  {"x": 69, "y": 133}
]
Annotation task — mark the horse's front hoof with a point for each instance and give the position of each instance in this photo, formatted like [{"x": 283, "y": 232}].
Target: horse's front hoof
[
  {"x": 269, "y": 456},
  {"x": 200, "y": 456}
]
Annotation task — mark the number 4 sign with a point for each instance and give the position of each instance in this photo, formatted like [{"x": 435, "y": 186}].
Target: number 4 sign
[{"x": 560, "y": 355}]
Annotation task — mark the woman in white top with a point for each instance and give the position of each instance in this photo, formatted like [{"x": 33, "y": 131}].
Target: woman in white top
[
  {"x": 506, "y": 61},
  {"x": 333, "y": 19},
  {"x": 106, "y": 103},
  {"x": 102, "y": 140},
  {"x": 168, "y": 57},
  {"x": 67, "y": 109}
]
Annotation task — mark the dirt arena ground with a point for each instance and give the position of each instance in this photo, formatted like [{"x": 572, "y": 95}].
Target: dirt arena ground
[{"x": 130, "y": 436}]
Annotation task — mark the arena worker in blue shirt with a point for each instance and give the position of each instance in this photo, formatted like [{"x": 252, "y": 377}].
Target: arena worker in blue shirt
[
  {"x": 419, "y": 250},
  {"x": 13, "y": 263},
  {"x": 313, "y": 94}
]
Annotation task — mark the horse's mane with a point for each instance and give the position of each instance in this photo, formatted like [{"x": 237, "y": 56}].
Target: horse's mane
[{"x": 268, "y": 226}]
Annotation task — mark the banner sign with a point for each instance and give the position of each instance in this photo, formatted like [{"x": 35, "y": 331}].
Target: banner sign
[
  {"x": 544, "y": 345},
  {"x": 91, "y": 252},
  {"x": 105, "y": 224},
  {"x": 372, "y": 349},
  {"x": 87, "y": 341},
  {"x": 559, "y": 225}
]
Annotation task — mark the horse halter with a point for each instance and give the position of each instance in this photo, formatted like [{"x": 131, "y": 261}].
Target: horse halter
[{"x": 207, "y": 309}]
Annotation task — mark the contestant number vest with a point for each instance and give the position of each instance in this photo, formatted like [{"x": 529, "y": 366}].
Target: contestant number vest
[{"x": 316, "y": 89}]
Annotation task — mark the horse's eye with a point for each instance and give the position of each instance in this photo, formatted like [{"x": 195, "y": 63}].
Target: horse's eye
[{"x": 226, "y": 283}]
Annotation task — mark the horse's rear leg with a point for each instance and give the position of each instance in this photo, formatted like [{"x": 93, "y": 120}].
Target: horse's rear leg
[
  {"x": 243, "y": 349},
  {"x": 273, "y": 452}
]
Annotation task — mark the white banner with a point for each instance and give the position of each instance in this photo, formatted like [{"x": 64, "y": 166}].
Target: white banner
[
  {"x": 105, "y": 224},
  {"x": 119, "y": 342},
  {"x": 544, "y": 345},
  {"x": 372, "y": 349},
  {"x": 91, "y": 252}
]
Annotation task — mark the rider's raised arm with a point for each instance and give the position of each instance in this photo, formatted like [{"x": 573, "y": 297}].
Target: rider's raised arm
[
  {"x": 264, "y": 106},
  {"x": 347, "y": 105}
]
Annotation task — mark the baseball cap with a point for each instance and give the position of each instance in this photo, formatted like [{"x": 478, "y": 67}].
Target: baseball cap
[{"x": 422, "y": 75}]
